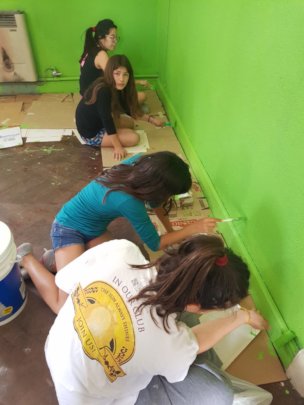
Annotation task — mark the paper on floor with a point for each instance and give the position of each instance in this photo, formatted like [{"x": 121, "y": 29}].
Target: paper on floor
[
  {"x": 143, "y": 144},
  {"x": 235, "y": 342},
  {"x": 10, "y": 137},
  {"x": 42, "y": 135}
]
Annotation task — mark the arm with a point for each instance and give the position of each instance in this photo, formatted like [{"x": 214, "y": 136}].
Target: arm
[
  {"x": 105, "y": 114},
  {"x": 152, "y": 120},
  {"x": 119, "y": 151},
  {"x": 164, "y": 219},
  {"x": 205, "y": 225},
  {"x": 144, "y": 83},
  {"x": 101, "y": 60},
  {"x": 209, "y": 333}
]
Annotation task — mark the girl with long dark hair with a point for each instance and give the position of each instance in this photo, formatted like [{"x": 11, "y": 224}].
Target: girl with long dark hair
[{"x": 100, "y": 114}]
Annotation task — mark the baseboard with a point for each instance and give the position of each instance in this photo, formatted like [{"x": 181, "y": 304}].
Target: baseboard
[{"x": 281, "y": 337}]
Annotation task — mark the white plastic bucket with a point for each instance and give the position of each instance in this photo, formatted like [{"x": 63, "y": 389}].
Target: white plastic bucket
[{"x": 12, "y": 287}]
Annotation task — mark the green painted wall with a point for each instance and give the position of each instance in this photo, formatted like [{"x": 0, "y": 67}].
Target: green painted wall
[
  {"x": 56, "y": 29},
  {"x": 232, "y": 79}
]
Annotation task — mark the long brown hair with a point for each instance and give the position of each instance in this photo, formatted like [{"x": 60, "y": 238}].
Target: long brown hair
[
  {"x": 189, "y": 274},
  {"x": 129, "y": 92},
  {"x": 153, "y": 178}
]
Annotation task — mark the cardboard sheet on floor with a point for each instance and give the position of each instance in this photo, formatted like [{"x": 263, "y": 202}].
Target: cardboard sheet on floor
[
  {"x": 153, "y": 102},
  {"x": 7, "y": 99},
  {"x": 11, "y": 114},
  {"x": 76, "y": 98},
  {"x": 164, "y": 139},
  {"x": 50, "y": 114},
  {"x": 108, "y": 157},
  {"x": 60, "y": 97},
  {"x": 258, "y": 363},
  {"x": 27, "y": 98}
]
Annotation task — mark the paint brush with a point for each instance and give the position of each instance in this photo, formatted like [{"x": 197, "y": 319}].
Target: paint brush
[{"x": 232, "y": 219}]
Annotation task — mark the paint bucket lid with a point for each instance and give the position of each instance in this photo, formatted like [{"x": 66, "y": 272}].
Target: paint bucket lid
[{"x": 8, "y": 250}]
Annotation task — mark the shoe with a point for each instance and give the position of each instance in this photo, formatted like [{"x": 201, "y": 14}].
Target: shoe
[
  {"x": 23, "y": 250},
  {"x": 48, "y": 261}
]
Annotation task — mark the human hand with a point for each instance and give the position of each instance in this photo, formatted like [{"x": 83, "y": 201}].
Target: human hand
[
  {"x": 144, "y": 83},
  {"x": 156, "y": 121},
  {"x": 119, "y": 153},
  {"x": 254, "y": 318}
]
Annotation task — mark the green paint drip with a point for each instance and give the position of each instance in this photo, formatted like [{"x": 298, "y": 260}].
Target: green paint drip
[{"x": 261, "y": 356}]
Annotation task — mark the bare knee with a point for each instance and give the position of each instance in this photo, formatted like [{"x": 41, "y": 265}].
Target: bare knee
[
  {"x": 141, "y": 95},
  {"x": 132, "y": 139},
  {"x": 128, "y": 137}
]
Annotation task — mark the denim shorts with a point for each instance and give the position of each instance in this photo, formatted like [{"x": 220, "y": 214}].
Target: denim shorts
[
  {"x": 96, "y": 140},
  {"x": 63, "y": 236}
]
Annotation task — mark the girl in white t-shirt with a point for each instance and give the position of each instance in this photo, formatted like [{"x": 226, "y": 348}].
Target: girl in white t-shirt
[{"x": 120, "y": 325}]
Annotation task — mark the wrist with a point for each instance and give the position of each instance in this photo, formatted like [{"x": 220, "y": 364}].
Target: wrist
[
  {"x": 246, "y": 314},
  {"x": 149, "y": 118}
]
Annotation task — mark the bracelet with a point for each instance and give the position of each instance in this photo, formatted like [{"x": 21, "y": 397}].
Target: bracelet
[{"x": 248, "y": 314}]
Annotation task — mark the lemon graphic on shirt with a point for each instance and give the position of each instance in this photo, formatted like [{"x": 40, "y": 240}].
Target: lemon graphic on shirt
[{"x": 101, "y": 323}]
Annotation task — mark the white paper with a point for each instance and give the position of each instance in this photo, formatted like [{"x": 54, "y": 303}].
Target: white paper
[
  {"x": 235, "y": 342},
  {"x": 10, "y": 137},
  {"x": 44, "y": 135},
  {"x": 143, "y": 144}
]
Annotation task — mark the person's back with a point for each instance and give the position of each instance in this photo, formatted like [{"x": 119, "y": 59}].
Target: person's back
[
  {"x": 108, "y": 350},
  {"x": 88, "y": 71}
]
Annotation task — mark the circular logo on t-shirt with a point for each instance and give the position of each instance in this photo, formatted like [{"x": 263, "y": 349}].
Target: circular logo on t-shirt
[{"x": 104, "y": 326}]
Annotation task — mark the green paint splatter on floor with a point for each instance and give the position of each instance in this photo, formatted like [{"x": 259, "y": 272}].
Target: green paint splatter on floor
[
  {"x": 46, "y": 149},
  {"x": 261, "y": 356}
]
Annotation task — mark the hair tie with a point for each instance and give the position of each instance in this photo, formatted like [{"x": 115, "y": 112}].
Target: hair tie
[
  {"x": 93, "y": 29},
  {"x": 221, "y": 261}
]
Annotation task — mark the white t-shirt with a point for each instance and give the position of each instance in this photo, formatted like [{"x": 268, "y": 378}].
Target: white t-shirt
[{"x": 99, "y": 345}]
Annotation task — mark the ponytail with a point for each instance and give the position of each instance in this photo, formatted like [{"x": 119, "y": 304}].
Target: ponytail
[{"x": 89, "y": 43}]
